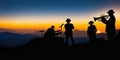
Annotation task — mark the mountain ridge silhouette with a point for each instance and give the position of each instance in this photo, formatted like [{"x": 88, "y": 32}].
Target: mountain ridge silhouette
[{"x": 9, "y": 39}]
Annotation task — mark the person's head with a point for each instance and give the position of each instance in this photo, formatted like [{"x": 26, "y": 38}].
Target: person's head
[
  {"x": 68, "y": 20},
  {"x": 91, "y": 22},
  {"x": 52, "y": 27},
  {"x": 110, "y": 12}
]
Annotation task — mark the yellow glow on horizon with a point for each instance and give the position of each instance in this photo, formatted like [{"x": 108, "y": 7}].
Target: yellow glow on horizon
[
  {"x": 98, "y": 31},
  {"x": 32, "y": 23}
]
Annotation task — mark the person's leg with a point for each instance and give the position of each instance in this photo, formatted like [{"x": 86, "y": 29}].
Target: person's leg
[
  {"x": 111, "y": 35},
  {"x": 67, "y": 40},
  {"x": 71, "y": 36},
  {"x": 94, "y": 38},
  {"x": 90, "y": 38},
  {"x": 114, "y": 35}
]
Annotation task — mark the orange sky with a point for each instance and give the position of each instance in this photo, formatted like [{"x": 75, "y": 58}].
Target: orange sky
[{"x": 28, "y": 24}]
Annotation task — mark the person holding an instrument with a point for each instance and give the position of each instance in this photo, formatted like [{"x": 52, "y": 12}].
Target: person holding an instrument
[
  {"x": 110, "y": 25},
  {"x": 51, "y": 33}
]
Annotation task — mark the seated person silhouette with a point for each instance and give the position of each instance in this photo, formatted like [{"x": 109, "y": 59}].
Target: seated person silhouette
[
  {"x": 68, "y": 31},
  {"x": 51, "y": 33},
  {"x": 91, "y": 31}
]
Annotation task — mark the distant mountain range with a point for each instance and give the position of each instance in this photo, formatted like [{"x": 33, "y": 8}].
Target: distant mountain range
[
  {"x": 8, "y": 39},
  {"x": 80, "y": 34},
  {"x": 83, "y": 34},
  {"x": 6, "y": 30},
  {"x": 76, "y": 33}
]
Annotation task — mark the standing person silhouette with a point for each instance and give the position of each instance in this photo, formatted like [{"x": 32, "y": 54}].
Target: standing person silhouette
[
  {"x": 110, "y": 25},
  {"x": 91, "y": 31},
  {"x": 68, "y": 31}
]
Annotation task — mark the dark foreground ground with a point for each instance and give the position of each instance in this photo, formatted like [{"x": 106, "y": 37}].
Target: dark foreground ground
[
  {"x": 39, "y": 44},
  {"x": 58, "y": 43}
]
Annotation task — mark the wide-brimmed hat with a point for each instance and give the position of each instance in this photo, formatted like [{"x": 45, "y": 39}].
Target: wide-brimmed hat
[
  {"x": 68, "y": 20},
  {"x": 111, "y": 11},
  {"x": 91, "y": 22}
]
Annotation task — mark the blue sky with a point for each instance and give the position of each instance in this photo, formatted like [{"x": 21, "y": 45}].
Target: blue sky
[{"x": 54, "y": 6}]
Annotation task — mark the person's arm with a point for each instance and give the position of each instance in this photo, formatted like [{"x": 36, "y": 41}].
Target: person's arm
[
  {"x": 88, "y": 31},
  {"x": 72, "y": 26},
  {"x": 104, "y": 20},
  {"x": 95, "y": 29},
  {"x": 58, "y": 32},
  {"x": 65, "y": 26}
]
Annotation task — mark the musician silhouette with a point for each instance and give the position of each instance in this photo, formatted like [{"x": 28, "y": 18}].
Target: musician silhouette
[
  {"x": 110, "y": 25},
  {"x": 68, "y": 31},
  {"x": 51, "y": 33},
  {"x": 91, "y": 31}
]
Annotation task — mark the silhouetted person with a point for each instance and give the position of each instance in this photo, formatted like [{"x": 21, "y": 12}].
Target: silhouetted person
[
  {"x": 91, "y": 31},
  {"x": 110, "y": 25},
  {"x": 68, "y": 31},
  {"x": 51, "y": 33}
]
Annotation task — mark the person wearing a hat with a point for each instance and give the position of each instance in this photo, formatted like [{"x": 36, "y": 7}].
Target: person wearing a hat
[
  {"x": 91, "y": 31},
  {"x": 68, "y": 31},
  {"x": 110, "y": 25},
  {"x": 51, "y": 33}
]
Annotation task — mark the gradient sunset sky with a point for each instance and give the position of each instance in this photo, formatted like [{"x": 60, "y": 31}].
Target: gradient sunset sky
[{"x": 31, "y": 15}]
